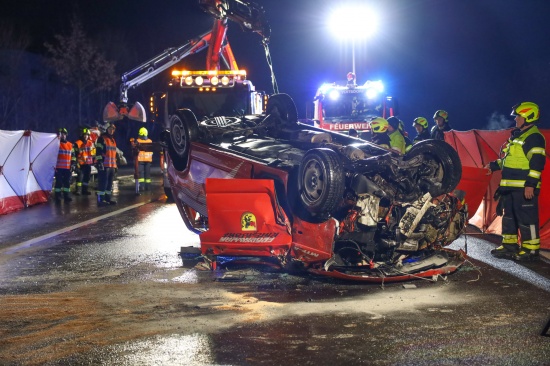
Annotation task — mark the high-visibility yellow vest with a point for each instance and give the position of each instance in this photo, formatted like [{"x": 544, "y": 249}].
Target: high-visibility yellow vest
[
  {"x": 145, "y": 156},
  {"x": 515, "y": 164}
]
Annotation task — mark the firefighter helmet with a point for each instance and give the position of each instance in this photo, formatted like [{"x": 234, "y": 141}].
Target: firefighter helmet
[
  {"x": 528, "y": 110},
  {"x": 143, "y": 132},
  {"x": 443, "y": 114},
  {"x": 379, "y": 125},
  {"x": 85, "y": 131},
  {"x": 62, "y": 130},
  {"x": 420, "y": 121}
]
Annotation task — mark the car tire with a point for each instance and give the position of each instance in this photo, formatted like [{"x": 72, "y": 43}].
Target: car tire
[
  {"x": 320, "y": 182},
  {"x": 284, "y": 106},
  {"x": 184, "y": 129},
  {"x": 450, "y": 171}
]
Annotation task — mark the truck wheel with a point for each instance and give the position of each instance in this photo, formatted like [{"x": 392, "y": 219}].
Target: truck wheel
[
  {"x": 442, "y": 156},
  {"x": 184, "y": 129},
  {"x": 284, "y": 106},
  {"x": 320, "y": 181}
]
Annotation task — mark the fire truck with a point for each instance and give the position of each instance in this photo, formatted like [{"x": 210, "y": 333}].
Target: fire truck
[{"x": 343, "y": 107}]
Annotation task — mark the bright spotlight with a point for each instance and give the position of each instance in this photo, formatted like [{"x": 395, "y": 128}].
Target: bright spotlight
[
  {"x": 334, "y": 94},
  {"x": 353, "y": 22}
]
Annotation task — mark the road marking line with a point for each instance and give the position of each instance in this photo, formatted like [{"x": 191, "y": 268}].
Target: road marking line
[{"x": 30, "y": 242}]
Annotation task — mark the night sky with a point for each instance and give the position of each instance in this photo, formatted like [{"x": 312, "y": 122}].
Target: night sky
[{"x": 473, "y": 58}]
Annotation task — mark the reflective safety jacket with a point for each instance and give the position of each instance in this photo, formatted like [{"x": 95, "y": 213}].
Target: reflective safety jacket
[
  {"x": 83, "y": 152},
  {"x": 397, "y": 141},
  {"x": 145, "y": 156},
  {"x": 65, "y": 156},
  {"x": 524, "y": 159},
  {"x": 106, "y": 150}
]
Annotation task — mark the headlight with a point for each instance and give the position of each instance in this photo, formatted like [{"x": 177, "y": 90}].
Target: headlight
[
  {"x": 199, "y": 80},
  {"x": 225, "y": 80},
  {"x": 372, "y": 93},
  {"x": 189, "y": 80},
  {"x": 214, "y": 80},
  {"x": 334, "y": 94}
]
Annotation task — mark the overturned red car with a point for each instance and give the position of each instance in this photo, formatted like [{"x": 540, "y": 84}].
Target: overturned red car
[{"x": 255, "y": 182}]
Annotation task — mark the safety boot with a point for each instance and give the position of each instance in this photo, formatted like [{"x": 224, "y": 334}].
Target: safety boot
[
  {"x": 109, "y": 200},
  {"x": 505, "y": 251},
  {"x": 526, "y": 255},
  {"x": 58, "y": 197},
  {"x": 85, "y": 191},
  {"x": 67, "y": 197},
  {"x": 77, "y": 191},
  {"x": 101, "y": 200}
]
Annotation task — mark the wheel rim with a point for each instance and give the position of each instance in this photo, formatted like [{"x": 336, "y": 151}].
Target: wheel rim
[
  {"x": 177, "y": 134},
  {"x": 314, "y": 181}
]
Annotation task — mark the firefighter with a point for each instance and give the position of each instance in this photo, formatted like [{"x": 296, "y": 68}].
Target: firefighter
[
  {"x": 441, "y": 119},
  {"x": 145, "y": 158},
  {"x": 83, "y": 151},
  {"x": 66, "y": 163},
  {"x": 397, "y": 141},
  {"x": 420, "y": 124},
  {"x": 522, "y": 162},
  {"x": 379, "y": 129},
  {"x": 105, "y": 159},
  {"x": 408, "y": 143}
]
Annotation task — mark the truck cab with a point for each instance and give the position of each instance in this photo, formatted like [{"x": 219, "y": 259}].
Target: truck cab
[
  {"x": 343, "y": 107},
  {"x": 208, "y": 94}
]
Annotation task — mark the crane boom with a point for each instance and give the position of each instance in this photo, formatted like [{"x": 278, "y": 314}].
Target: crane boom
[{"x": 249, "y": 15}]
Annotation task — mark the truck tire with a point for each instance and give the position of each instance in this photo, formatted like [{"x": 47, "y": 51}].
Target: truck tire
[
  {"x": 320, "y": 181},
  {"x": 284, "y": 106},
  {"x": 449, "y": 169},
  {"x": 184, "y": 129}
]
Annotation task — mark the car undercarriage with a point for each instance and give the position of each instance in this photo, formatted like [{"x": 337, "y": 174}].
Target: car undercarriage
[{"x": 380, "y": 214}]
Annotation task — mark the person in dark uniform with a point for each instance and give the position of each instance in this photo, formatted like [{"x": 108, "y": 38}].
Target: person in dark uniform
[
  {"x": 420, "y": 124},
  {"x": 441, "y": 119}
]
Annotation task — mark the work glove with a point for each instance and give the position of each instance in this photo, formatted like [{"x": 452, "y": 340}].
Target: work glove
[
  {"x": 73, "y": 167},
  {"x": 99, "y": 166}
]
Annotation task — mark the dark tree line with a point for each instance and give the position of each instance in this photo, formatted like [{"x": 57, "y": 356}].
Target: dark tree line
[{"x": 68, "y": 86}]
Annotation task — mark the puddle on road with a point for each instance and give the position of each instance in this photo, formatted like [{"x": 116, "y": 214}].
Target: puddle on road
[{"x": 189, "y": 350}]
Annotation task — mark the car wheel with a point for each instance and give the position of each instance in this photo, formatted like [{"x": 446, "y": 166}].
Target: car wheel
[
  {"x": 320, "y": 181},
  {"x": 284, "y": 106},
  {"x": 184, "y": 129},
  {"x": 441, "y": 170}
]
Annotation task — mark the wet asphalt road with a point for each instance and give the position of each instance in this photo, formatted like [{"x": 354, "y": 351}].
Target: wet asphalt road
[{"x": 113, "y": 291}]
